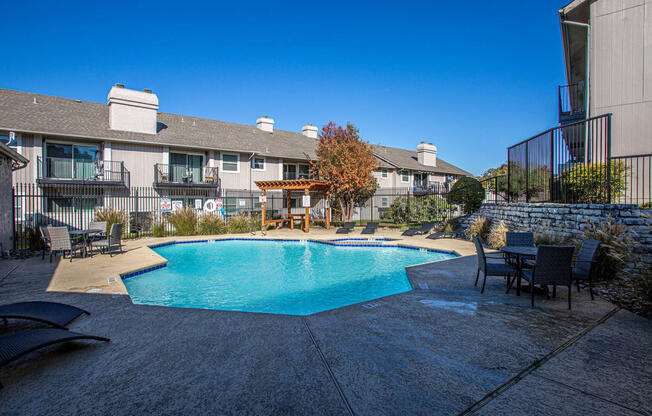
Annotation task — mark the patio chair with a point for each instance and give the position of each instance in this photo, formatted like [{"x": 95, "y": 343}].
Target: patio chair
[
  {"x": 491, "y": 269},
  {"x": 444, "y": 234},
  {"x": 114, "y": 239},
  {"x": 586, "y": 258},
  {"x": 60, "y": 241},
  {"x": 52, "y": 313},
  {"x": 45, "y": 236},
  {"x": 425, "y": 228},
  {"x": 553, "y": 266},
  {"x": 18, "y": 344},
  {"x": 96, "y": 225},
  {"x": 370, "y": 228},
  {"x": 517, "y": 239},
  {"x": 346, "y": 228}
]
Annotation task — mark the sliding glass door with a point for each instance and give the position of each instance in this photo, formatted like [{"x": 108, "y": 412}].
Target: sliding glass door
[
  {"x": 185, "y": 167},
  {"x": 68, "y": 161}
]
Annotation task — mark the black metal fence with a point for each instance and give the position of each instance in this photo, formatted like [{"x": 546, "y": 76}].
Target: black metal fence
[{"x": 146, "y": 208}]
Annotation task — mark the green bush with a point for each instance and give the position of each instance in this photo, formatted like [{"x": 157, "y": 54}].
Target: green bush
[
  {"x": 111, "y": 216},
  {"x": 238, "y": 224},
  {"x": 211, "y": 224},
  {"x": 427, "y": 208},
  {"x": 587, "y": 184},
  {"x": 158, "y": 229},
  {"x": 184, "y": 221},
  {"x": 468, "y": 193}
]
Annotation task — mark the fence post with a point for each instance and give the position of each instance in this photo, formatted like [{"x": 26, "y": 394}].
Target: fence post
[
  {"x": 509, "y": 182},
  {"x": 527, "y": 173},
  {"x": 609, "y": 159},
  {"x": 552, "y": 166},
  {"x": 496, "y": 190}
]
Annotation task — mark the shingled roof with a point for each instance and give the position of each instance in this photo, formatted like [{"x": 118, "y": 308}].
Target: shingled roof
[{"x": 37, "y": 113}]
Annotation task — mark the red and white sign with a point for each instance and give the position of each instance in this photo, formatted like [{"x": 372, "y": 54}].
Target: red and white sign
[
  {"x": 262, "y": 199},
  {"x": 219, "y": 203},
  {"x": 166, "y": 204}
]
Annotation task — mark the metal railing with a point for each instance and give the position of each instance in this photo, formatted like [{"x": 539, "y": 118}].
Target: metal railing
[
  {"x": 62, "y": 170},
  {"x": 165, "y": 174},
  {"x": 571, "y": 102},
  {"x": 567, "y": 164},
  {"x": 633, "y": 182}
]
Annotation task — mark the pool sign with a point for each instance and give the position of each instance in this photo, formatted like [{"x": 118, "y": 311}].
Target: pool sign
[
  {"x": 306, "y": 200},
  {"x": 166, "y": 205},
  {"x": 177, "y": 205},
  {"x": 242, "y": 202},
  {"x": 198, "y": 204},
  {"x": 210, "y": 205},
  {"x": 219, "y": 202},
  {"x": 262, "y": 199}
]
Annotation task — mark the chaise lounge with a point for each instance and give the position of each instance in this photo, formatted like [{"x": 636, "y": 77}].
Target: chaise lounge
[
  {"x": 346, "y": 228},
  {"x": 425, "y": 228},
  {"x": 370, "y": 228},
  {"x": 52, "y": 313}
]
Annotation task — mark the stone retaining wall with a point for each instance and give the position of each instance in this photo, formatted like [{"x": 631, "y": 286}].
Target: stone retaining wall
[{"x": 570, "y": 221}]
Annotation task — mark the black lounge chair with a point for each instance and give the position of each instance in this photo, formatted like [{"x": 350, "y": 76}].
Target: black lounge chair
[
  {"x": 425, "y": 228},
  {"x": 55, "y": 314},
  {"x": 491, "y": 269},
  {"x": 346, "y": 228},
  {"x": 370, "y": 228},
  {"x": 444, "y": 234},
  {"x": 18, "y": 344}
]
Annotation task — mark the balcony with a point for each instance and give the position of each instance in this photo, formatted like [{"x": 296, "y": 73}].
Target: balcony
[
  {"x": 182, "y": 176},
  {"x": 571, "y": 103},
  {"x": 423, "y": 187},
  {"x": 65, "y": 171}
]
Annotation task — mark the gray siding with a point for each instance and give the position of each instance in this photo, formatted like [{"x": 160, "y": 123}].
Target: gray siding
[{"x": 621, "y": 71}]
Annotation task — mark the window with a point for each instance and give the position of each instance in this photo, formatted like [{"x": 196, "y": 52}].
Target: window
[
  {"x": 230, "y": 163},
  {"x": 67, "y": 204},
  {"x": 258, "y": 163},
  {"x": 383, "y": 201},
  {"x": 289, "y": 172},
  {"x": 383, "y": 173},
  {"x": 185, "y": 167},
  {"x": 304, "y": 172},
  {"x": 9, "y": 139},
  {"x": 71, "y": 161},
  {"x": 405, "y": 176}
]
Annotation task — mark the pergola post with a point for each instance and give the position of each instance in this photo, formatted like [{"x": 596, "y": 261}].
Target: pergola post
[
  {"x": 328, "y": 210},
  {"x": 263, "y": 204},
  {"x": 307, "y": 227},
  {"x": 289, "y": 201}
]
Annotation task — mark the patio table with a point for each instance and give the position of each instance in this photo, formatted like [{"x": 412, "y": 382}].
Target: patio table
[
  {"x": 521, "y": 253},
  {"x": 84, "y": 235}
]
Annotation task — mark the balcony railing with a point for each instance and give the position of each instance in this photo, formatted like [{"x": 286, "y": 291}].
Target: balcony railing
[
  {"x": 180, "y": 175},
  {"x": 291, "y": 176},
  {"x": 52, "y": 170},
  {"x": 571, "y": 103},
  {"x": 430, "y": 187}
]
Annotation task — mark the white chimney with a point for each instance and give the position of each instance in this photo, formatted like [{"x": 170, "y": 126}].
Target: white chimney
[
  {"x": 132, "y": 110},
  {"x": 266, "y": 124},
  {"x": 309, "y": 131},
  {"x": 427, "y": 154}
]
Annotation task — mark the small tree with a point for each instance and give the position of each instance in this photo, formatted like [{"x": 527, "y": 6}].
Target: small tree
[
  {"x": 428, "y": 208},
  {"x": 468, "y": 193},
  {"x": 346, "y": 162}
]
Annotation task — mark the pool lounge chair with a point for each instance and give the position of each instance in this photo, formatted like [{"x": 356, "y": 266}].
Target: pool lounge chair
[
  {"x": 370, "y": 228},
  {"x": 346, "y": 228},
  {"x": 452, "y": 234},
  {"x": 425, "y": 228},
  {"x": 52, "y": 313},
  {"x": 18, "y": 344}
]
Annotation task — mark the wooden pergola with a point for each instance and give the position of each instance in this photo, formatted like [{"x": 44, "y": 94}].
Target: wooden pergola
[{"x": 305, "y": 185}]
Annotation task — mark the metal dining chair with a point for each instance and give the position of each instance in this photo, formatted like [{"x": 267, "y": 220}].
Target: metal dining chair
[
  {"x": 553, "y": 266},
  {"x": 584, "y": 264}
]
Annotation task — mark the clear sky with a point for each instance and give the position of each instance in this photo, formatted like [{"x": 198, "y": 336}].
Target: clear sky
[{"x": 472, "y": 77}]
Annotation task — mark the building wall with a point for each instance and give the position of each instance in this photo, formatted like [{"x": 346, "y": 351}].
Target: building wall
[
  {"x": 6, "y": 198},
  {"x": 139, "y": 160},
  {"x": 621, "y": 71}
]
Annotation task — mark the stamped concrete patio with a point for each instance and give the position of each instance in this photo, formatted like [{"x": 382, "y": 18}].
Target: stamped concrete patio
[{"x": 442, "y": 348}]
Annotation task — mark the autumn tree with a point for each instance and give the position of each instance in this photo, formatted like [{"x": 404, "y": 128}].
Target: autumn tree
[{"x": 346, "y": 162}]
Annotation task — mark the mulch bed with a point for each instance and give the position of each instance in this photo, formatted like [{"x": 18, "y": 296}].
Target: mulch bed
[{"x": 621, "y": 292}]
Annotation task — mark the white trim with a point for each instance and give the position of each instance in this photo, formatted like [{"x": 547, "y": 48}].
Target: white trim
[
  {"x": 264, "y": 163},
  {"x": 408, "y": 173},
  {"x": 237, "y": 163}
]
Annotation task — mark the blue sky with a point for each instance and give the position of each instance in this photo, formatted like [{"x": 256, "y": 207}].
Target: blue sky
[{"x": 472, "y": 79}]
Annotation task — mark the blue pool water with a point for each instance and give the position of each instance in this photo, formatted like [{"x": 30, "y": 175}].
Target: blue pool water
[{"x": 287, "y": 277}]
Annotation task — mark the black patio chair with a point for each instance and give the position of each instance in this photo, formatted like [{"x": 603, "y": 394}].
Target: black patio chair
[
  {"x": 425, "y": 228},
  {"x": 52, "y": 313},
  {"x": 346, "y": 228},
  {"x": 553, "y": 266},
  {"x": 18, "y": 344},
  {"x": 586, "y": 259},
  {"x": 491, "y": 269},
  {"x": 517, "y": 239},
  {"x": 114, "y": 239},
  {"x": 370, "y": 228}
]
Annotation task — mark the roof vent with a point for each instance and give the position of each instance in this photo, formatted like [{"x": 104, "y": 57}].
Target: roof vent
[
  {"x": 265, "y": 123},
  {"x": 120, "y": 85},
  {"x": 309, "y": 131},
  {"x": 147, "y": 90}
]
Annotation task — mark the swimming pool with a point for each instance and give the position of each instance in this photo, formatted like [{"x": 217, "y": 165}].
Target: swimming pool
[{"x": 285, "y": 277}]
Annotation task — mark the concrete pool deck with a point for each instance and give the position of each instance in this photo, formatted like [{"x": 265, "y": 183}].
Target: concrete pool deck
[{"x": 442, "y": 348}]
